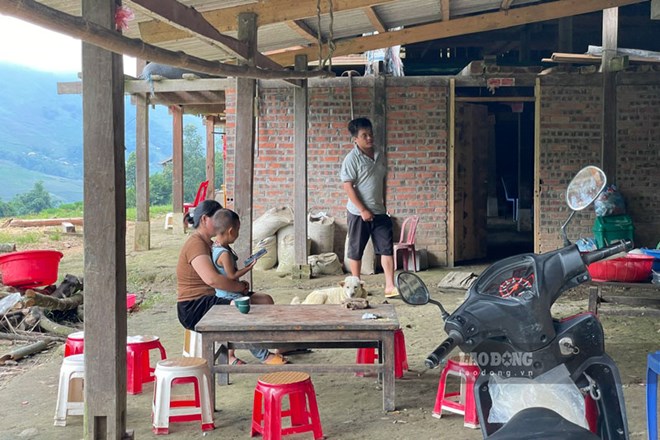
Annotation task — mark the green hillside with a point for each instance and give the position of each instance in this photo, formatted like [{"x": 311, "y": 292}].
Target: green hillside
[{"x": 41, "y": 133}]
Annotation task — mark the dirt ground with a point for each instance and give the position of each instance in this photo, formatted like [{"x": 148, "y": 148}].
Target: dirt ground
[{"x": 350, "y": 407}]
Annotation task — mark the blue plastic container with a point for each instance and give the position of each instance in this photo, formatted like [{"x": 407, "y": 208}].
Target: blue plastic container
[{"x": 655, "y": 253}]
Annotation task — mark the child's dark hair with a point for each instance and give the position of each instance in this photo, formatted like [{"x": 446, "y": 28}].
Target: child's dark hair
[
  {"x": 206, "y": 207},
  {"x": 359, "y": 124},
  {"x": 224, "y": 219}
]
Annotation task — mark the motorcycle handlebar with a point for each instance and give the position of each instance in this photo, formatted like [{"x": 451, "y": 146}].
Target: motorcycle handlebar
[
  {"x": 601, "y": 254},
  {"x": 438, "y": 355}
]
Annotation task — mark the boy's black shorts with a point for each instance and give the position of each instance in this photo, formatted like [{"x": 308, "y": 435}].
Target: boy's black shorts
[{"x": 359, "y": 231}]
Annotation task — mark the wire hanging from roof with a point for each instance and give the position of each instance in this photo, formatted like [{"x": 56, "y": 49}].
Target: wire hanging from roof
[{"x": 319, "y": 36}]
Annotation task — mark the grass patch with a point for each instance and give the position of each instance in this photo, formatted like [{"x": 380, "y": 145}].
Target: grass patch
[{"x": 22, "y": 238}]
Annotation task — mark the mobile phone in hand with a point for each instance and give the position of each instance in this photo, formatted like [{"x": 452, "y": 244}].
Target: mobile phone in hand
[{"x": 255, "y": 256}]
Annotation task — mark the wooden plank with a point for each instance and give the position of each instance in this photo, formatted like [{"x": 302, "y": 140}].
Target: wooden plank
[
  {"x": 301, "y": 28},
  {"x": 445, "y": 10},
  {"x": 631, "y": 300},
  {"x": 300, "y": 109},
  {"x": 104, "y": 233},
  {"x": 324, "y": 317},
  {"x": 177, "y": 158},
  {"x": 461, "y": 26},
  {"x": 495, "y": 99},
  {"x": 163, "y": 86},
  {"x": 268, "y": 12},
  {"x": 244, "y": 149},
  {"x": 609, "y": 116},
  {"x": 142, "y": 240},
  {"x": 111, "y": 40},
  {"x": 374, "y": 19},
  {"x": 188, "y": 19},
  {"x": 451, "y": 186},
  {"x": 19, "y": 223},
  {"x": 209, "y": 122},
  {"x": 537, "y": 166},
  {"x": 655, "y": 9}
]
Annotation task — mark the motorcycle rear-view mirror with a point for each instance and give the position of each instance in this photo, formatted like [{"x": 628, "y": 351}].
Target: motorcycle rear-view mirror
[
  {"x": 582, "y": 191},
  {"x": 585, "y": 187},
  {"x": 412, "y": 289}
]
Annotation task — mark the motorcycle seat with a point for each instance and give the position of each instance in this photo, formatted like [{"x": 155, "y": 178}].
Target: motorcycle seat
[{"x": 541, "y": 423}]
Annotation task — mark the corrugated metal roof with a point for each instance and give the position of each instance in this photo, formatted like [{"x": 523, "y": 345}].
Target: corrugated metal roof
[{"x": 347, "y": 23}]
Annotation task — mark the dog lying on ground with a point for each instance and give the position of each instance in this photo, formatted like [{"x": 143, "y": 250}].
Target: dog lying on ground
[{"x": 351, "y": 287}]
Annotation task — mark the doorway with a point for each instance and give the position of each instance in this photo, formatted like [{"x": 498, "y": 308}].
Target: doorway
[{"x": 492, "y": 176}]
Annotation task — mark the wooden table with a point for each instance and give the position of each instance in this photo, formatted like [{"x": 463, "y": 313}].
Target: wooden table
[
  {"x": 649, "y": 297},
  {"x": 300, "y": 326}
]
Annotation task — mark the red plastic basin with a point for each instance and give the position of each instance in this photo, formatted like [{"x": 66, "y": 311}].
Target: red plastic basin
[
  {"x": 630, "y": 269},
  {"x": 27, "y": 269}
]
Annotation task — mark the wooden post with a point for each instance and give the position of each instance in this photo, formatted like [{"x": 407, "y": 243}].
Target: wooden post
[
  {"x": 142, "y": 229},
  {"x": 655, "y": 9},
  {"x": 177, "y": 169},
  {"x": 300, "y": 171},
  {"x": 104, "y": 233},
  {"x": 244, "y": 151},
  {"x": 608, "y": 146},
  {"x": 210, "y": 156},
  {"x": 537, "y": 166},
  {"x": 451, "y": 185},
  {"x": 565, "y": 35}
]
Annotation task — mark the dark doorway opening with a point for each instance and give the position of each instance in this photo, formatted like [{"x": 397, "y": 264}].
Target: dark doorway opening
[{"x": 508, "y": 175}]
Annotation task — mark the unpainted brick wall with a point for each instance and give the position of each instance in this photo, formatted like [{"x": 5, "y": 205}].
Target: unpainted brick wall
[
  {"x": 416, "y": 150},
  {"x": 571, "y": 119},
  {"x": 417, "y": 133}
]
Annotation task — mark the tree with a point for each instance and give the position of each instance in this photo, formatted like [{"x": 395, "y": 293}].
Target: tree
[
  {"x": 36, "y": 200},
  {"x": 6, "y": 209}
]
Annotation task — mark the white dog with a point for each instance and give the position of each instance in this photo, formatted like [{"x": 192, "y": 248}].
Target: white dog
[{"x": 351, "y": 287}]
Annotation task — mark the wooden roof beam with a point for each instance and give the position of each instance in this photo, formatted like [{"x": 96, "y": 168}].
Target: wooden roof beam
[
  {"x": 374, "y": 19},
  {"x": 92, "y": 33},
  {"x": 301, "y": 28},
  {"x": 506, "y": 4},
  {"x": 460, "y": 26},
  {"x": 188, "y": 19},
  {"x": 444, "y": 10},
  {"x": 268, "y": 12}
]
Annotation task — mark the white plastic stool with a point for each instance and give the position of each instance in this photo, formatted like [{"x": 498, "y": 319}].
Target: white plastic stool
[
  {"x": 169, "y": 223},
  {"x": 178, "y": 371},
  {"x": 192, "y": 344},
  {"x": 70, "y": 395}
]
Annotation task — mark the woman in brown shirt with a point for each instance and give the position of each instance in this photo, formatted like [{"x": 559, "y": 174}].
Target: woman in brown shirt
[{"x": 197, "y": 278}]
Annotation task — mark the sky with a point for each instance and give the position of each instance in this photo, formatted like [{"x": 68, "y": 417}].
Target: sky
[{"x": 42, "y": 49}]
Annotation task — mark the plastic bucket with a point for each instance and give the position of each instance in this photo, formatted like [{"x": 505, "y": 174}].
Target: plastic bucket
[{"x": 30, "y": 268}]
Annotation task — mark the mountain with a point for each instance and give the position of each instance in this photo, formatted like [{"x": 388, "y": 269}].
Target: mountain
[{"x": 41, "y": 134}]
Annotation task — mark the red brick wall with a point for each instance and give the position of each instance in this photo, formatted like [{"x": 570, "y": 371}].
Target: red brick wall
[
  {"x": 570, "y": 139},
  {"x": 571, "y": 120},
  {"x": 638, "y": 155},
  {"x": 416, "y": 149}
]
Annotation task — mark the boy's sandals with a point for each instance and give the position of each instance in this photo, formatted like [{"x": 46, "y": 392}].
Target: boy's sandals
[
  {"x": 394, "y": 293},
  {"x": 238, "y": 361},
  {"x": 275, "y": 359}
]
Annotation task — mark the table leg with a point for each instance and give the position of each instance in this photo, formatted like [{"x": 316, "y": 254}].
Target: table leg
[
  {"x": 223, "y": 359},
  {"x": 209, "y": 354},
  {"x": 387, "y": 344},
  {"x": 594, "y": 299}
]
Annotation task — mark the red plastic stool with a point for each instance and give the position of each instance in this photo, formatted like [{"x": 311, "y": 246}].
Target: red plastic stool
[
  {"x": 75, "y": 344},
  {"x": 369, "y": 356},
  {"x": 267, "y": 410},
  {"x": 461, "y": 402},
  {"x": 138, "y": 367}
]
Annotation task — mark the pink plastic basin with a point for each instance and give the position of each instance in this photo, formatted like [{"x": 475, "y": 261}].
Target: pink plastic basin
[
  {"x": 26, "y": 269},
  {"x": 630, "y": 269}
]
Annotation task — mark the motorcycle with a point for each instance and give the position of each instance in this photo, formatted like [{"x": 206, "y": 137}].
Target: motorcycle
[{"x": 506, "y": 325}]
